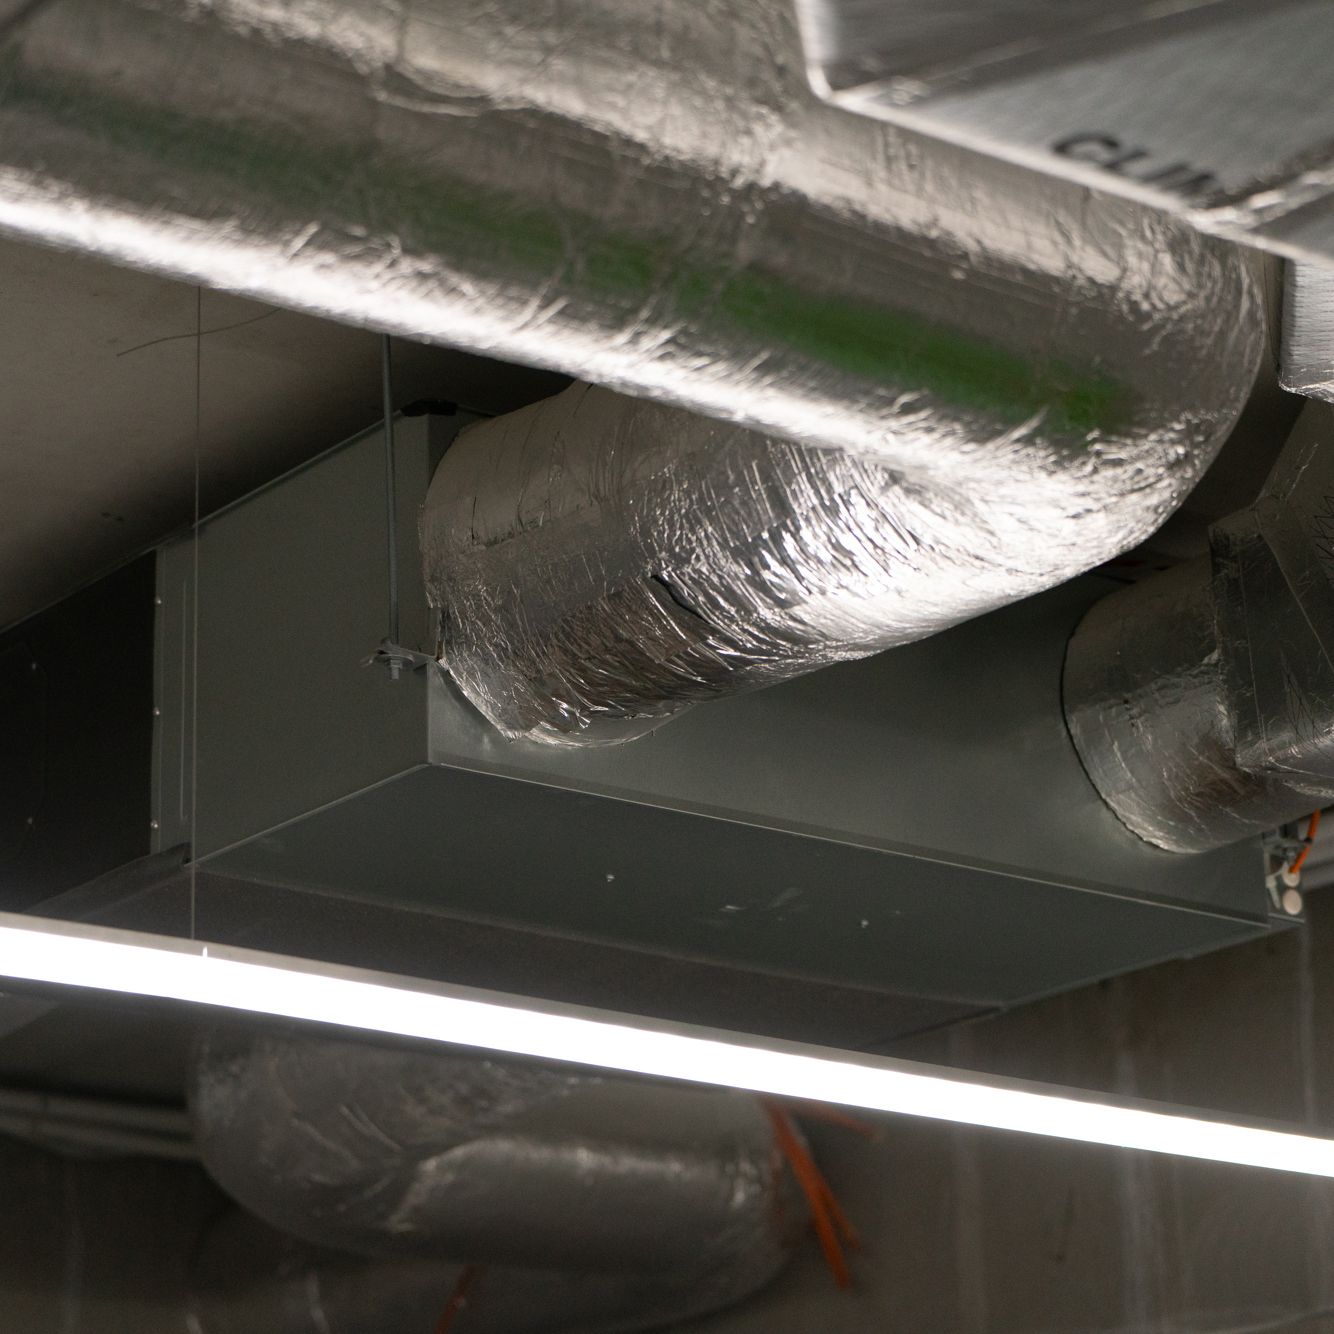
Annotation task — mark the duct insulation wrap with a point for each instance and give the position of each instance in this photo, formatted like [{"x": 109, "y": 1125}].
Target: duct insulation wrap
[
  {"x": 602, "y": 562},
  {"x": 250, "y": 1279},
  {"x": 394, "y": 1152},
  {"x": 1306, "y": 343},
  {"x": 649, "y": 197},
  {"x": 101, "y": 1243},
  {"x": 1201, "y": 701}
]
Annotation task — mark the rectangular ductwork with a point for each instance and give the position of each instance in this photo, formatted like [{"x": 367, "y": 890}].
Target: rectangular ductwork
[
  {"x": 1215, "y": 109},
  {"x": 913, "y": 831}
]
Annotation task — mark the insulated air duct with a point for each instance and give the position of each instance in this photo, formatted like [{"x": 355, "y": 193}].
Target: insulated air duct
[
  {"x": 648, "y": 197},
  {"x": 251, "y": 1279},
  {"x": 601, "y": 562},
  {"x": 103, "y": 1242},
  {"x": 1023, "y": 379},
  {"x": 611, "y": 1192},
  {"x": 1201, "y": 701}
]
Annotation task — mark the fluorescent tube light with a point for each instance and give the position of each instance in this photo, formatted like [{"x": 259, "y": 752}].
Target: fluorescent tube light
[{"x": 144, "y": 965}]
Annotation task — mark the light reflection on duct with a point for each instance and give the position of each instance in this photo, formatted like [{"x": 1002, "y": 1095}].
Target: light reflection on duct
[
  {"x": 250, "y": 1279},
  {"x": 624, "y": 1203},
  {"x": 648, "y": 197},
  {"x": 602, "y": 562},
  {"x": 1201, "y": 701},
  {"x": 651, "y": 198}
]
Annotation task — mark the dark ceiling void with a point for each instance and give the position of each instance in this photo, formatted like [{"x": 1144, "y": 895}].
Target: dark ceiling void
[{"x": 98, "y": 408}]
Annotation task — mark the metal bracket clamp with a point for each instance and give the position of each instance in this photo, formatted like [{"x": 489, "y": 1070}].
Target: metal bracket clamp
[
  {"x": 399, "y": 659},
  {"x": 1281, "y": 848}
]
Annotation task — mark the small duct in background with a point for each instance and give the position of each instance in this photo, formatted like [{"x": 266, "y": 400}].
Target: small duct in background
[
  {"x": 1201, "y": 701},
  {"x": 622, "y": 1198},
  {"x": 251, "y": 1279}
]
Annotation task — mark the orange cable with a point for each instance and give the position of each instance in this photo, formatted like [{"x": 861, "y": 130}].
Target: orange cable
[
  {"x": 816, "y": 1190},
  {"x": 1311, "y": 828},
  {"x": 835, "y": 1116},
  {"x": 458, "y": 1299},
  {"x": 851, "y": 1237}
]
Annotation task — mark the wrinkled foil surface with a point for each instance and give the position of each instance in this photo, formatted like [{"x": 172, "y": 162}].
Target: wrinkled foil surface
[
  {"x": 1306, "y": 347},
  {"x": 648, "y": 197},
  {"x": 385, "y": 1152},
  {"x": 1201, "y": 701},
  {"x": 99, "y": 1243},
  {"x": 249, "y": 1278},
  {"x": 651, "y": 198},
  {"x": 602, "y": 562}
]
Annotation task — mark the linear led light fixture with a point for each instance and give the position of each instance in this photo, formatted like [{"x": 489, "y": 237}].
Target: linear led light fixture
[{"x": 138, "y": 964}]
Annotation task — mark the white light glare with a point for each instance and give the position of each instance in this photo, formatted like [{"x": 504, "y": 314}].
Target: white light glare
[{"x": 143, "y": 965}]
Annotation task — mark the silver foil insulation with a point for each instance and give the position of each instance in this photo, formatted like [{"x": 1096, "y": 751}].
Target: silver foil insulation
[
  {"x": 602, "y": 562},
  {"x": 250, "y": 1279},
  {"x": 96, "y": 1243},
  {"x": 1015, "y": 379},
  {"x": 1306, "y": 342},
  {"x": 606, "y": 1191},
  {"x": 646, "y": 196},
  {"x": 1201, "y": 701}
]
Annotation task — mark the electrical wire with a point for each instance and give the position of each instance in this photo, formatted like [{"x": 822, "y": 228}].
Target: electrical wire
[
  {"x": 827, "y": 1213},
  {"x": 468, "y": 1279},
  {"x": 835, "y": 1116},
  {"x": 1300, "y": 860},
  {"x": 200, "y": 333}
]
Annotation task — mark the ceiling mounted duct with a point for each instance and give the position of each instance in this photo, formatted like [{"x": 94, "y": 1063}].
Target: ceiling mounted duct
[
  {"x": 638, "y": 1204},
  {"x": 602, "y": 562},
  {"x": 647, "y": 197},
  {"x": 251, "y": 1279},
  {"x": 756, "y": 864},
  {"x": 1136, "y": 96},
  {"x": 1019, "y": 385},
  {"x": 1201, "y": 701}
]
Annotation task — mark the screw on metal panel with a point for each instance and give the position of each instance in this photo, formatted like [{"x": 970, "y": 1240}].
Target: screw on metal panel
[
  {"x": 152, "y": 824},
  {"x": 157, "y": 602},
  {"x": 157, "y": 713}
]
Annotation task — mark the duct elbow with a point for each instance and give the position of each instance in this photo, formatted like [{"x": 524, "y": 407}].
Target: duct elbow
[
  {"x": 603, "y": 562},
  {"x": 1201, "y": 701},
  {"x": 572, "y": 1182}
]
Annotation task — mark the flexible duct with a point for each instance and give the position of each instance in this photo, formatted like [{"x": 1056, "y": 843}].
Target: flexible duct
[
  {"x": 250, "y": 1279},
  {"x": 132, "y": 1244},
  {"x": 602, "y": 562},
  {"x": 1201, "y": 701},
  {"x": 651, "y": 198},
  {"x": 607, "y": 1187},
  {"x": 648, "y": 197}
]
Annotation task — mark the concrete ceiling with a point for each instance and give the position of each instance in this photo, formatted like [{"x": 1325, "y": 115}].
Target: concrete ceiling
[{"x": 97, "y": 408}]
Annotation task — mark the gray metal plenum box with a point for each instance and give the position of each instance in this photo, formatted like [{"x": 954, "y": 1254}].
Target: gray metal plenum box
[{"x": 916, "y": 823}]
